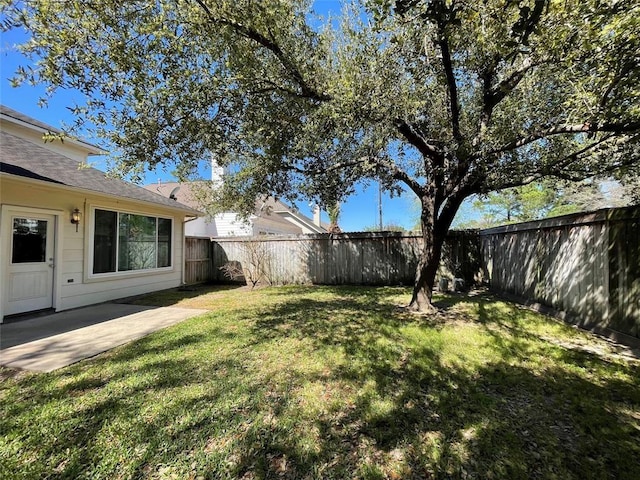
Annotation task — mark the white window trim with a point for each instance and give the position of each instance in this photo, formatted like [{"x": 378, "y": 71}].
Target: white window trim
[{"x": 96, "y": 277}]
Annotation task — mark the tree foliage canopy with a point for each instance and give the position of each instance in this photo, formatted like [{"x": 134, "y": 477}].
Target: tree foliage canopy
[
  {"x": 447, "y": 98},
  {"x": 472, "y": 96}
]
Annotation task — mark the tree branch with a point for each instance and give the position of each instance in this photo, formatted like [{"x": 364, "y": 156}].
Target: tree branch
[
  {"x": 506, "y": 86},
  {"x": 556, "y": 169},
  {"x": 332, "y": 168},
  {"x": 451, "y": 82},
  {"x": 428, "y": 151},
  {"x": 443, "y": 15},
  {"x": 399, "y": 174},
  {"x": 493, "y": 95},
  {"x": 624, "y": 70},
  {"x": 613, "y": 127},
  {"x": 274, "y": 88},
  {"x": 486, "y": 76},
  {"x": 572, "y": 157},
  {"x": 450, "y": 207},
  {"x": 307, "y": 91},
  {"x": 514, "y": 182},
  {"x": 418, "y": 141},
  {"x": 395, "y": 171},
  {"x": 585, "y": 172}
]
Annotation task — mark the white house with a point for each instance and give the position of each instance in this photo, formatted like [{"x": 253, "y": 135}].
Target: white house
[
  {"x": 71, "y": 236},
  {"x": 271, "y": 217}
]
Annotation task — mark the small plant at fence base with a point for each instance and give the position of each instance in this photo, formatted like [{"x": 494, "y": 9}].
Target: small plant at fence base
[{"x": 256, "y": 265}]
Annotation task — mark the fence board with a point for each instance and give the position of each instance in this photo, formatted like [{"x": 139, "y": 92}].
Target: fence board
[
  {"x": 587, "y": 265},
  {"x": 357, "y": 259},
  {"x": 198, "y": 260}
]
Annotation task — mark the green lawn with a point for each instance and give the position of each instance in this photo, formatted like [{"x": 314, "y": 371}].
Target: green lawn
[{"x": 321, "y": 382}]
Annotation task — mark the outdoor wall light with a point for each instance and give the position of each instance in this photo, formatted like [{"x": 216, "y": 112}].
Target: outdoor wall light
[{"x": 75, "y": 217}]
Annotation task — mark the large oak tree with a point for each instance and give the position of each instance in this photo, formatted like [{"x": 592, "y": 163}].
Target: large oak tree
[{"x": 445, "y": 98}]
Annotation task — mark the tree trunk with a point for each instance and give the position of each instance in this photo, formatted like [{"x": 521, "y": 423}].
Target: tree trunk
[
  {"x": 427, "y": 269},
  {"x": 434, "y": 232},
  {"x": 432, "y": 238}
]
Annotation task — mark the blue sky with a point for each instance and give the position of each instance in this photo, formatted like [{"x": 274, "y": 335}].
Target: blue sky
[{"x": 358, "y": 212}]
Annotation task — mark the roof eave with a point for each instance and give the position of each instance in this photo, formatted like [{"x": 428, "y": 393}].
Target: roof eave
[
  {"x": 86, "y": 146},
  {"x": 184, "y": 209},
  {"x": 305, "y": 221}
]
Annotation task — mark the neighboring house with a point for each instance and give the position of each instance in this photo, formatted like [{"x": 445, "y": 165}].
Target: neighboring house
[
  {"x": 271, "y": 217},
  {"x": 125, "y": 240}
]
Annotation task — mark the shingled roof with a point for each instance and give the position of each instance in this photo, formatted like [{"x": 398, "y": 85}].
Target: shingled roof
[
  {"x": 23, "y": 158},
  {"x": 43, "y": 127},
  {"x": 270, "y": 208}
]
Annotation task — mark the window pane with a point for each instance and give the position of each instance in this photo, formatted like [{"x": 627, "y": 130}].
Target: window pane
[
  {"x": 104, "y": 241},
  {"x": 137, "y": 249},
  {"x": 29, "y": 240},
  {"x": 164, "y": 242}
]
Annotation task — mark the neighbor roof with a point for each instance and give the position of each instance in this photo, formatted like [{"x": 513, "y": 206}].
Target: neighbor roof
[
  {"x": 270, "y": 208},
  {"x": 23, "y": 158},
  {"x": 45, "y": 128}
]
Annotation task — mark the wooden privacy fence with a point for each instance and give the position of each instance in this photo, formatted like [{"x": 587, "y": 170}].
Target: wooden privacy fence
[
  {"x": 386, "y": 258},
  {"x": 587, "y": 265}
]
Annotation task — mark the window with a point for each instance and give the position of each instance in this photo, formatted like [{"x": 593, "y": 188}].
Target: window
[
  {"x": 29, "y": 240},
  {"x": 105, "y": 241},
  {"x": 164, "y": 242},
  {"x": 125, "y": 242}
]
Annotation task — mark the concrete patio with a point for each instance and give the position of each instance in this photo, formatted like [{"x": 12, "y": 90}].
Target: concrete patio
[{"x": 46, "y": 343}]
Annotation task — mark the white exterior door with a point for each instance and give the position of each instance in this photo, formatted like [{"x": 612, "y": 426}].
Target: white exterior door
[{"x": 30, "y": 263}]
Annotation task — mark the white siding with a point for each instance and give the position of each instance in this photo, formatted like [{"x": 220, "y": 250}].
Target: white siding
[
  {"x": 230, "y": 225},
  {"x": 75, "y": 287},
  {"x": 222, "y": 225},
  {"x": 201, "y": 227},
  {"x": 268, "y": 226}
]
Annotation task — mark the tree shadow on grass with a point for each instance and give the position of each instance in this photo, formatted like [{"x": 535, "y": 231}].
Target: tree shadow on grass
[
  {"x": 511, "y": 416},
  {"x": 141, "y": 398},
  {"x": 332, "y": 384}
]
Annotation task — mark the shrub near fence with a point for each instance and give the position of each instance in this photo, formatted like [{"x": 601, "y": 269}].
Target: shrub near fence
[
  {"x": 371, "y": 258},
  {"x": 586, "y": 265}
]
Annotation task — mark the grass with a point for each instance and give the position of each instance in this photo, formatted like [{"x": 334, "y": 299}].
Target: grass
[{"x": 320, "y": 382}]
